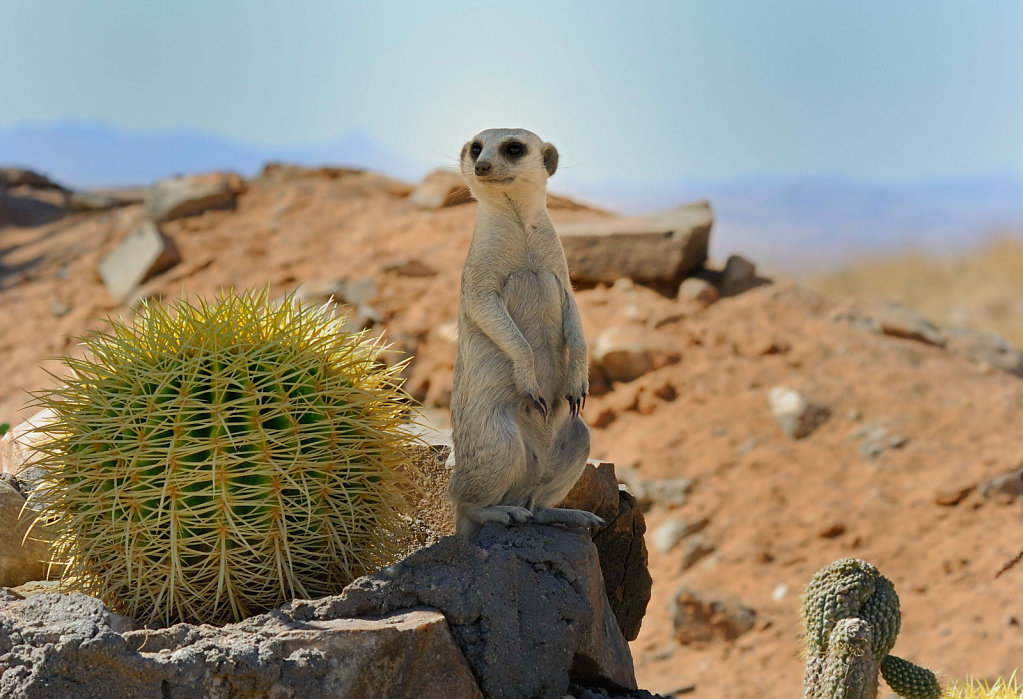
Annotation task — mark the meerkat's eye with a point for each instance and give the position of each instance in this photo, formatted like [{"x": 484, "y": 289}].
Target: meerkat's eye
[
  {"x": 514, "y": 149},
  {"x": 475, "y": 149}
]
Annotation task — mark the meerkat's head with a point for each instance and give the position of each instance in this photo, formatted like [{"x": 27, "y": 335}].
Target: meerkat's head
[{"x": 507, "y": 161}]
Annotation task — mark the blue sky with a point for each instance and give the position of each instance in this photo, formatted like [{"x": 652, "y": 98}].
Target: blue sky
[{"x": 886, "y": 90}]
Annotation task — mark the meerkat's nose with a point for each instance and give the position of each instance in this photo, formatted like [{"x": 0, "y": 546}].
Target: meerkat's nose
[{"x": 482, "y": 167}]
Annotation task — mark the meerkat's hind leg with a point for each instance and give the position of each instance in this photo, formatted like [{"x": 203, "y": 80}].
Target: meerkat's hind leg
[
  {"x": 571, "y": 518},
  {"x": 503, "y": 514}
]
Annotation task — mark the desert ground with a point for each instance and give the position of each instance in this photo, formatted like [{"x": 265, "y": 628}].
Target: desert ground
[{"x": 903, "y": 472}]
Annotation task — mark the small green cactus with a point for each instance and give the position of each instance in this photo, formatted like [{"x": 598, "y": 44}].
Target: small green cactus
[
  {"x": 851, "y": 619},
  {"x": 213, "y": 462}
]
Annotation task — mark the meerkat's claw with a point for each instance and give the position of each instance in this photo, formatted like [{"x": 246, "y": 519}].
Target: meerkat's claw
[
  {"x": 569, "y": 517},
  {"x": 539, "y": 403},
  {"x": 573, "y": 406},
  {"x": 584, "y": 402}
]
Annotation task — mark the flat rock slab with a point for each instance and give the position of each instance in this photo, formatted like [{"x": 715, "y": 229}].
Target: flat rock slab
[
  {"x": 144, "y": 253},
  {"x": 658, "y": 248},
  {"x": 190, "y": 195},
  {"x": 57, "y": 646}
]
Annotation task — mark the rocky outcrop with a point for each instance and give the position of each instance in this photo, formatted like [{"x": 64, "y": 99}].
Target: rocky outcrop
[
  {"x": 659, "y": 248},
  {"x": 520, "y": 613},
  {"x": 178, "y": 197},
  {"x": 440, "y": 189}
]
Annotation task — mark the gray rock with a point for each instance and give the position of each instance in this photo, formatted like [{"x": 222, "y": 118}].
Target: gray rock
[
  {"x": 666, "y": 492},
  {"x": 796, "y": 414},
  {"x": 667, "y": 536},
  {"x": 541, "y": 586},
  {"x": 143, "y": 254},
  {"x": 887, "y": 317},
  {"x": 72, "y": 646},
  {"x": 356, "y": 292},
  {"x": 699, "y": 618},
  {"x": 700, "y": 290},
  {"x": 738, "y": 276},
  {"x": 985, "y": 348},
  {"x": 659, "y": 248},
  {"x": 440, "y": 189},
  {"x": 875, "y": 439},
  {"x": 411, "y": 267},
  {"x": 22, "y": 177},
  {"x": 17, "y": 447},
  {"x": 1008, "y": 484},
  {"x": 697, "y": 548},
  {"x": 190, "y": 195},
  {"x": 21, "y": 559}
]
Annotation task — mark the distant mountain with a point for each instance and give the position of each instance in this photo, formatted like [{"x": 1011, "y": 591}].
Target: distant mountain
[
  {"x": 95, "y": 155},
  {"x": 797, "y": 224},
  {"x": 787, "y": 224}
]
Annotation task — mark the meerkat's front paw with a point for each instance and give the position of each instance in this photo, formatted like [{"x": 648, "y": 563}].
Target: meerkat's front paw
[
  {"x": 577, "y": 396},
  {"x": 531, "y": 390},
  {"x": 502, "y": 514},
  {"x": 570, "y": 518}
]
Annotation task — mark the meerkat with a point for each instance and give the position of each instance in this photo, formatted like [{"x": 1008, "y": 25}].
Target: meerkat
[{"x": 521, "y": 374}]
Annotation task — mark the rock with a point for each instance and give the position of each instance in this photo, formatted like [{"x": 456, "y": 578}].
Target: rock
[
  {"x": 886, "y": 317},
  {"x": 17, "y": 445},
  {"x": 658, "y": 248},
  {"x": 875, "y": 439},
  {"x": 699, "y": 618},
  {"x": 105, "y": 200},
  {"x": 21, "y": 559},
  {"x": 622, "y": 354},
  {"x": 697, "y": 548},
  {"x": 190, "y": 195},
  {"x": 411, "y": 268},
  {"x": 143, "y": 254},
  {"x": 440, "y": 189},
  {"x": 73, "y": 646},
  {"x": 700, "y": 290},
  {"x": 738, "y": 276},
  {"x": 667, "y": 536},
  {"x": 952, "y": 495},
  {"x": 356, "y": 292},
  {"x": 1008, "y": 484},
  {"x": 430, "y": 467},
  {"x": 623, "y": 562},
  {"x": 21, "y": 177},
  {"x": 666, "y": 492},
  {"x": 797, "y": 416},
  {"x": 596, "y": 491},
  {"x": 985, "y": 348},
  {"x": 525, "y": 604}
]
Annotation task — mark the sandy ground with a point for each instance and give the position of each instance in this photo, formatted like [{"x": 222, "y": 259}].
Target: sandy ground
[{"x": 777, "y": 509}]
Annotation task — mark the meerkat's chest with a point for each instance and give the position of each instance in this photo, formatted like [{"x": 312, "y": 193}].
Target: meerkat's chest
[{"x": 533, "y": 296}]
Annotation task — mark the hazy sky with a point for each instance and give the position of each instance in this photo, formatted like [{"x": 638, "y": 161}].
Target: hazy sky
[{"x": 879, "y": 89}]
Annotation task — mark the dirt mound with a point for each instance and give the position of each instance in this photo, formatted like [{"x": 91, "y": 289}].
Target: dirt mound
[{"x": 894, "y": 474}]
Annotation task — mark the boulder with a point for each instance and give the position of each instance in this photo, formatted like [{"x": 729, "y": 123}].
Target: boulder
[
  {"x": 18, "y": 444},
  {"x": 440, "y": 189},
  {"x": 659, "y": 248},
  {"x": 73, "y": 646},
  {"x": 621, "y": 545},
  {"x": 22, "y": 177},
  {"x": 738, "y": 276},
  {"x": 797, "y": 415},
  {"x": 143, "y": 254},
  {"x": 190, "y": 195},
  {"x": 23, "y": 555},
  {"x": 699, "y": 618},
  {"x": 525, "y": 604}
]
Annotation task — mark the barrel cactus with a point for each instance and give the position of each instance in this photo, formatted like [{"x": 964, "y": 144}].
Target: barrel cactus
[
  {"x": 214, "y": 460},
  {"x": 851, "y": 618}
]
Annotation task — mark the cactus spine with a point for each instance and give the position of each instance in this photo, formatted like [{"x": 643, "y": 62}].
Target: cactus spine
[
  {"x": 851, "y": 619},
  {"x": 213, "y": 462}
]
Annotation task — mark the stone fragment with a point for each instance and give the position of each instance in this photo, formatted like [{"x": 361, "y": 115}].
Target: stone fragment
[
  {"x": 622, "y": 353},
  {"x": 797, "y": 415},
  {"x": 440, "y": 189},
  {"x": 596, "y": 491},
  {"x": 697, "y": 548},
  {"x": 887, "y": 317},
  {"x": 738, "y": 276},
  {"x": 875, "y": 439},
  {"x": 667, "y": 536},
  {"x": 700, "y": 618},
  {"x": 190, "y": 195},
  {"x": 985, "y": 348},
  {"x": 657, "y": 248},
  {"x": 22, "y": 558},
  {"x": 952, "y": 495},
  {"x": 142, "y": 254},
  {"x": 700, "y": 290},
  {"x": 1008, "y": 484},
  {"x": 411, "y": 267}
]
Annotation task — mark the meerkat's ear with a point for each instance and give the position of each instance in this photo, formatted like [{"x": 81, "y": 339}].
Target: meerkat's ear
[
  {"x": 550, "y": 158},
  {"x": 465, "y": 149}
]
